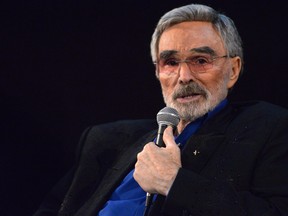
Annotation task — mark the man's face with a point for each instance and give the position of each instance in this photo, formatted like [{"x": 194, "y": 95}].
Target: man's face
[{"x": 190, "y": 89}]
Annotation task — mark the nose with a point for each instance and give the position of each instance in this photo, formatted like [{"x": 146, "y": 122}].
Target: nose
[{"x": 185, "y": 74}]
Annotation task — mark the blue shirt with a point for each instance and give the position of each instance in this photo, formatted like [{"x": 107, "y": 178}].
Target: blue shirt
[{"x": 129, "y": 198}]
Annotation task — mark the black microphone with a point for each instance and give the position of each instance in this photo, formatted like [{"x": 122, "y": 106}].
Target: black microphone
[{"x": 165, "y": 117}]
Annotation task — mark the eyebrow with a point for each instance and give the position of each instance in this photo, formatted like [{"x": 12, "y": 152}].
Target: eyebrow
[
  {"x": 205, "y": 49},
  {"x": 167, "y": 53}
]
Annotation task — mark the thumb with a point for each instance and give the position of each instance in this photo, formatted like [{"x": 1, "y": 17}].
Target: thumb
[{"x": 168, "y": 137}]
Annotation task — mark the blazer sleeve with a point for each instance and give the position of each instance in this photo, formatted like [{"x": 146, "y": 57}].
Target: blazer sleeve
[{"x": 96, "y": 148}]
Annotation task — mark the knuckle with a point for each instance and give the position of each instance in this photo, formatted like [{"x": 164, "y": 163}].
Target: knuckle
[{"x": 147, "y": 146}]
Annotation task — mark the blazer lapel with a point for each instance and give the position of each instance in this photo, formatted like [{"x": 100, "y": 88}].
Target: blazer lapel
[
  {"x": 199, "y": 150},
  {"x": 205, "y": 142},
  {"x": 113, "y": 177}
]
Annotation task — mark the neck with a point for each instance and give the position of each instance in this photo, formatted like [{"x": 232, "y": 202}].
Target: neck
[{"x": 182, "y": 124}]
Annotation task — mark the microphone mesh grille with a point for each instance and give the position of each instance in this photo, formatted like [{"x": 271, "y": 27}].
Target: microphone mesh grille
[{"x": 168, "y": 116}]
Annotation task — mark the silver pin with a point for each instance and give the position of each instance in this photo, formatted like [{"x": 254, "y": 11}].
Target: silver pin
[{"x": 196, "y": 152}]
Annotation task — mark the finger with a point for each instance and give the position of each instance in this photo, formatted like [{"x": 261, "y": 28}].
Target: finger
[
  {"x": 146, "y": 155},
  {"x": 168, "y": 137}
]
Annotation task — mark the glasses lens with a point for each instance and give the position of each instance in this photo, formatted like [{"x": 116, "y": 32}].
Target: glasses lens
[
  {"x": 168, "y": 66},
  {"x": 197, "y": 64},
  {"x": 200, "y": 63}
]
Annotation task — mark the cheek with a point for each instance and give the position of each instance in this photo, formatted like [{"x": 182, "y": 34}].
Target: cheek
[
  {"x": 167, "y": 84},
  {"x": 212, "y": 79},
  {"x": 209, "y": 81}
]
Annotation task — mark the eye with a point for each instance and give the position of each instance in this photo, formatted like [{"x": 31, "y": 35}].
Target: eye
[
  {"x": 171, "y": 62},
  {"x": 199, "y": 60}
]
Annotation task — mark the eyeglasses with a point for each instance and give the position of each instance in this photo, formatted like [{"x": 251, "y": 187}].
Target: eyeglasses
[{"x": 197, "y": 63}]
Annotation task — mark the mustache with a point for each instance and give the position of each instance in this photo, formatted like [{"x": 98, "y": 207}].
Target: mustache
[{"x": 188, "y": 90}]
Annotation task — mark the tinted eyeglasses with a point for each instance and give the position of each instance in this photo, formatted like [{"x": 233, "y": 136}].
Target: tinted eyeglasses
[{"x": 199, "y": 63}]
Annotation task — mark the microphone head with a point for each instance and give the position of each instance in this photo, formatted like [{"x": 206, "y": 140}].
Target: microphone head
[{"x": 168, "y": 116}]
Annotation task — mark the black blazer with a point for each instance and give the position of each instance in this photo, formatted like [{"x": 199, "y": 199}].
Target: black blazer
[{"x": 240, "y": 167}]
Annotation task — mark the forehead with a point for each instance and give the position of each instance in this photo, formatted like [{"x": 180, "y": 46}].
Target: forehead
[{"x": 186, "y": 36}]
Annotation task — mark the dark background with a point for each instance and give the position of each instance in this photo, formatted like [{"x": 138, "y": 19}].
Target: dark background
[{"x": 66, "y": 65}]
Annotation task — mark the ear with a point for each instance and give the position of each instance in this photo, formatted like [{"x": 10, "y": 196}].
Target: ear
[{"x": 235, "y": 71}]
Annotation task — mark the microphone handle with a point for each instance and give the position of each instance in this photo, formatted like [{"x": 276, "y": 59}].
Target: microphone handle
[
  {"x": 148, "y": 202},
  {"x": 159, "y": 139},
  {"x": 159, "y": 142}
]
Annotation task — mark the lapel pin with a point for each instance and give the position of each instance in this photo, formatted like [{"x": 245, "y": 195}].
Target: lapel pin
[{"x": 196, "y": 152}]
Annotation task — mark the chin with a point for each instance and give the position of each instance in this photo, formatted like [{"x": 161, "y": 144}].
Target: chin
[{"x": 190, "y": 111}]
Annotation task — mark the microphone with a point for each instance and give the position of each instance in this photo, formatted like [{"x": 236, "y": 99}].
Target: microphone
[{"x": 165, "y": 117}]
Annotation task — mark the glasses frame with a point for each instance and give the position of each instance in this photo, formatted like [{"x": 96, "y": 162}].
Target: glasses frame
[{"x": 187, "y": 61}]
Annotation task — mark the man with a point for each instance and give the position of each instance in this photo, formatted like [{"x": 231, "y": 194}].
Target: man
[{"x": 224, "y": 158}]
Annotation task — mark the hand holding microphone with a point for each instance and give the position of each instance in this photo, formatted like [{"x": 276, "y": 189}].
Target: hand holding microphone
[{"x": 156, "y": 168}]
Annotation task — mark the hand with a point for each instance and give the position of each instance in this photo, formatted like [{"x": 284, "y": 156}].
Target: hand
[{"x": 156, "y": 168}]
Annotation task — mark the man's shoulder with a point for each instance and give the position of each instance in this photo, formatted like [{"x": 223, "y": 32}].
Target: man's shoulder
[
  {"x": 121, "y": 129},
  {"x": 127, "y": 125},
  {"x": 114, "y": 135},
  {"x": 259, "y": 109}
]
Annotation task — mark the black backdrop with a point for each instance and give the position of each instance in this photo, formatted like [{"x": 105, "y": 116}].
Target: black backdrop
[{"x": 66, "y": 65}]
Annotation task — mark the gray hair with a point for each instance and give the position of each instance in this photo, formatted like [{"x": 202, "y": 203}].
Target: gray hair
[{"x": 196, "y": 12}]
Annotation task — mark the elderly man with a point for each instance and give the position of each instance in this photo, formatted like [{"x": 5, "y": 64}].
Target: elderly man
[{"x": 223, "y": 159}]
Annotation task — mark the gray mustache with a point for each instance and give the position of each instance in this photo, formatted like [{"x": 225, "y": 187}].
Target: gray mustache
[{"x": 188, "y": 90}]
